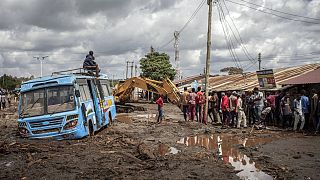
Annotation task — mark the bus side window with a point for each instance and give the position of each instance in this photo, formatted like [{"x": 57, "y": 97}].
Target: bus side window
[
  {"x": 87, "y": 91},
  {"x": 99, "y": 88},
  {"x": 109, "y": 88},
  {"x": 82, "y": 93},
  {"x": 105, "y": 90}
]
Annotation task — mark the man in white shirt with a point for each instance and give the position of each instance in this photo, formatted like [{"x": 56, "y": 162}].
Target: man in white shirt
[
  {"x": 298, "y": 115},
  {"x": 241, "y": 115}
]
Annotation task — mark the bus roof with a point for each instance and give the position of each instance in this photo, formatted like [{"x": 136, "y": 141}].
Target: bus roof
[{"x": 55, "y": 80}]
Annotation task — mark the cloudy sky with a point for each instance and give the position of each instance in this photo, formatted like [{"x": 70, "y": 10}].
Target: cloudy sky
[{"x": 286, "y": 32}]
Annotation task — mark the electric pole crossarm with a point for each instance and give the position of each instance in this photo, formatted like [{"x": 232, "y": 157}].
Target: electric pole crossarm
[{"x": 41, "y": 59}]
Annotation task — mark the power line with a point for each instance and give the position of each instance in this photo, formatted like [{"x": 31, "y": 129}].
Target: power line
[
  {"x": 186, "y": 24},
  {"x": 232, "y": 54},
  {"x": 166, "y": 44},
  {"x": 272, "y": 13},
  {"x": 281, "y": 11},
  {"x": 192, "y": 16},
  {"x": 241, "y": 41}
]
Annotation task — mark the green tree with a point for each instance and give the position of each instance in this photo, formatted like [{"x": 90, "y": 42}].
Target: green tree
[
  {"x": 10, "y": 82},
  {"x": 157, "y": 66},
  {"x": 232, "y": 70}
]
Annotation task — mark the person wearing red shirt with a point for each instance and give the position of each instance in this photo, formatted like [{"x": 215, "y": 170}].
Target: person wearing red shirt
[
  {"x": 160, "y": 108},
  {"x": 233, "y": 101},
  {"x": 225, "y": 109},
  {"x": 271, "y": 102}
]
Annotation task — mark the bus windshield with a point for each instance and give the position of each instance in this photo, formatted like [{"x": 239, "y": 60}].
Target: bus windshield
[{"x": 47, "y": 101}]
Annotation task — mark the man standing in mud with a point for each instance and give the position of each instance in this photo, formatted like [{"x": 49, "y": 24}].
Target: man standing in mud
[
  {"x": 286, "y": 110},
  {"x": 298, "y": 114},
  {"x": 3, "y": 100},
  {"x": 313, "y": 112},
  {"x": 241, "y": 115},
  {"x": 233, "y": 101},
  {"x": 258, "y": 103},
  {"x": 318, "y": 115},
  {"x": 184, "y": 102},
  {"x": 225, "y": 110},
  {"x": 160, "y": 108},
  {"x": 192, "y": 103},
  {"x": 214, "y": 108},
  {"x": 305, "y": 109},
  {"x": 199, "y": 104}
]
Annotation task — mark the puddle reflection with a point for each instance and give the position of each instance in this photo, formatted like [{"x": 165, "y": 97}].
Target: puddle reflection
[
  {"x": 224, "y": 146},
  {"x": 146, "y": 115}
]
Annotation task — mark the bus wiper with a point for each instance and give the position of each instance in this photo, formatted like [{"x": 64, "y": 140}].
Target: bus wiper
[
  {"x": 21, "y": 114},
  {"x": 24, "y": 115}
]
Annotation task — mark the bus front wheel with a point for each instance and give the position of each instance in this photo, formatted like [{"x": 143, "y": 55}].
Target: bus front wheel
[
  {"x": 110, "y": 119},
  {"x": 91, "y": 131}
]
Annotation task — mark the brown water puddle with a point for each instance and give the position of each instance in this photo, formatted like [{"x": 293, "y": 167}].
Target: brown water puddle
[
  {"x": 124, "y": 118},
  {"x": 224, "y": 146},
  {"x": 128, "y": 118}
]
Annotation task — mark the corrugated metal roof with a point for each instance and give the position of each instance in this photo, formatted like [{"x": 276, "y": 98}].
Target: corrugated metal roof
[
  {"x": 311, "y": 77},
  {"x": 249, "y": 80},
  {"x": 190, "y": 79}
]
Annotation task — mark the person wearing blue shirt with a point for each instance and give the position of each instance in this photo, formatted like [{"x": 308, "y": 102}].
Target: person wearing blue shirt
[{"x": 305, "y": 103}]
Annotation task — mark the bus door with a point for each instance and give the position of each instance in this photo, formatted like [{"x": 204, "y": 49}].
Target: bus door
[
  {"x": 95, "y": 100},
  {"x": 102, "y": 102}
]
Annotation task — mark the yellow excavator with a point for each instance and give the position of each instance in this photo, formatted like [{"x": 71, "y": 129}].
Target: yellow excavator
[{"x": 123, "y": 91}]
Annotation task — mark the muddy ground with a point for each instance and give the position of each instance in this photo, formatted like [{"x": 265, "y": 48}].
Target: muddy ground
[{"x": 136, "y": 147}]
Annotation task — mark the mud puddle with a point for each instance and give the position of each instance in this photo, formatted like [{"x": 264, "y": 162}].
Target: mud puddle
[
  {"x": 128, "y": 118},
  {"x": 124, "y": 118},
  {"x": 146, "y": 116},
  {"x": 224, "y": 146}
]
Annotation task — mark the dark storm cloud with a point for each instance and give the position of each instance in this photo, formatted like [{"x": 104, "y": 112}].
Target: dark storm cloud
[
  {"x": 120, "y": 30},
  {"x": 48, "y": 14}
]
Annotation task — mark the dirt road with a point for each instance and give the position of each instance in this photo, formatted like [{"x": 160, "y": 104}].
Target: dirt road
[{"x": 135, "y": 147}]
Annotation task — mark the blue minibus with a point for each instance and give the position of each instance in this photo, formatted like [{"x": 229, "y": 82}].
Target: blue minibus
[{"x": 65, "y": 106}]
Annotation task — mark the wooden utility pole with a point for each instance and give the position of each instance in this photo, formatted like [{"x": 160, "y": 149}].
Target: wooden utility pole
[
  {"x": 135, "y": 70},
  {"x": 132, "y": 68},
  {"x": 127, "y": 69},
  {"x": 259, "y": 60},
  {"x": 112, "y": 80},
  {"x": 207, "y": 71}
]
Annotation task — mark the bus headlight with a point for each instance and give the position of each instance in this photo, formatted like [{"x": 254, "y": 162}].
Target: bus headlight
[
  {"x": 22, "y": 124},
  {"x": 23, "y": 131},
  {"x": 71, "y": 124}
]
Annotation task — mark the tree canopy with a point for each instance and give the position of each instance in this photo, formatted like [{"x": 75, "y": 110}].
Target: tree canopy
[
  {"x": 157, "y": 66},
  {"x": 232, "y": 70},
  {"x": 10, "y": 82}
]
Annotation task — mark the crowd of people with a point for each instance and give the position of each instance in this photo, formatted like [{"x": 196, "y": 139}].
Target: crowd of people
[
  {"x": 5, "y": 99},
  {"x": 297, "y": 112}
]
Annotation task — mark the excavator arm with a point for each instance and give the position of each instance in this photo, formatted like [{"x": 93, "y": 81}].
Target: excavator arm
[{"x": 123, "y": 91}]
